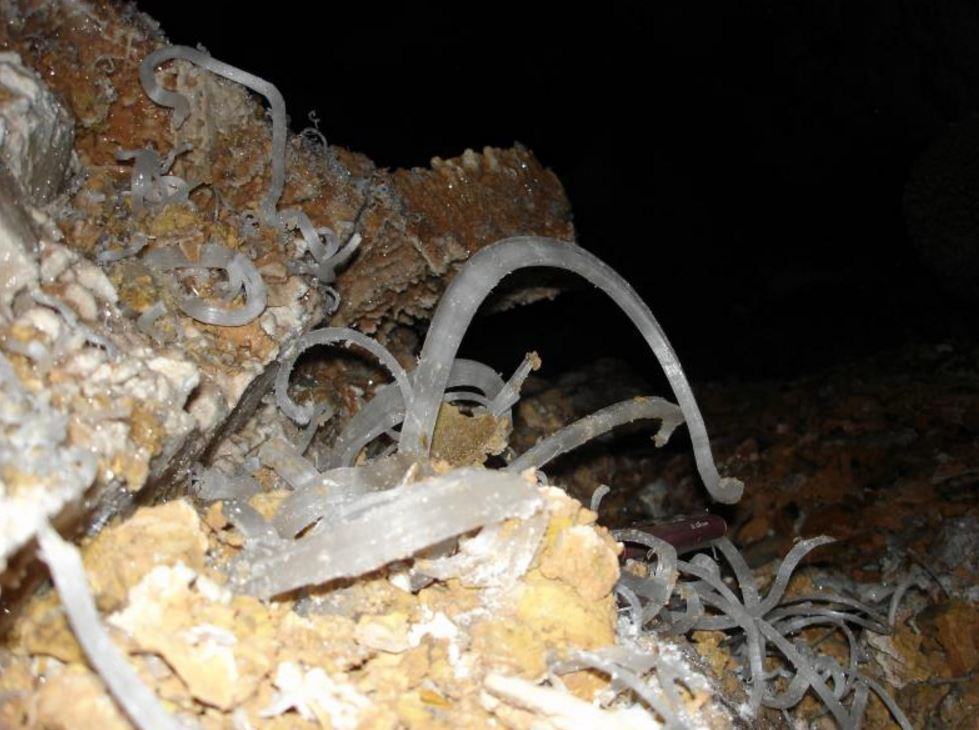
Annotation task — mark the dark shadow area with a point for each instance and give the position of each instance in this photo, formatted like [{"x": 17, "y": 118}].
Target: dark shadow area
[{"x": 743, "y": 165}]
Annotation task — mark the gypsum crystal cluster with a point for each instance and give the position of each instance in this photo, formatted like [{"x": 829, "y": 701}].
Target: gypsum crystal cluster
[{"x": 347, "y": 521}]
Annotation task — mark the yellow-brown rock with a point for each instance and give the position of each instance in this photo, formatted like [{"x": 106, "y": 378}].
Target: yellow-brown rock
[
  {"x": 584, "y": 560},
  {"x": 510, "y": 646},
  {"x": 76, "y": 698},
  {"x": 43, "y": 630},
  {"x": 320, "y": 641},
  {"x": 388, "y": 633},
  {"x": 118, "y": 557},
  {"x": 378, "y": 657},
  {"x": 416, "y": 228},
  {"x": 220, "y": 650},
  {"x": 556, "y": 612},
  {"x": 958, "y": 633},
  {"x": 464, "y": 440}
]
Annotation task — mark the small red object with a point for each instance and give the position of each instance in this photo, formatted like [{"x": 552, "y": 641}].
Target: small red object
[{"x": 685, "y": 535}]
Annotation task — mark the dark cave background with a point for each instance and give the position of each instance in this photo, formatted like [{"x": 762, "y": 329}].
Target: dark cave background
[{"x": 742, "y": 164}]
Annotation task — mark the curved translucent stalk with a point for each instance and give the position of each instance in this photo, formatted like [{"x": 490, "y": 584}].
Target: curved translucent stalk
[
  {"x": 240, "y": 270},
  {"x": 808, "y": 673},
  {"x": 619, "y": 674},
  {"x": 601, "y": 421},
  {"x": 896, "y": 712},
  {"x": 181, "y": 109},
  {"x": 746, "y": 579},
  {"x": 798, "y": 685},
  {"x": 65, "y": 563},
  {"x": 723, "y": 599},
  {"x": 597, "y": 496},
  {"x": 681, "y": 624},
  {"x": 478, "y": 278},
  {"x": 785, "y": 570},
  {"x": 330, "y": 336},
  {"x": 665, "y": 575},
  {"x": 386, "y": 409}
]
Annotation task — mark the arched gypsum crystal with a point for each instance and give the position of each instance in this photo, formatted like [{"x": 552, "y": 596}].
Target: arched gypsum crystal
[
  {"x": 601, "y": 421},
  {"x": 181, "y": 109},
  {"x": 386, "y": 409},
  {"x": 684, "y": 623},
  {"x": 797, "y": 687},
  {"x": 772, "y": 619},
  {"x": 658, "y": 586},
  {"x": 238, "y": 268},
  {"x": 808, "y": 673},
  {"x": 150, "y": 182},
  {"x": 828, "y": 598},
  {"x": 597, "y": 496},
  {"x": 896, "y": 712},
  {"x": 785, "y": 570},
  {"x": 746, "y": 579},
  {"x": 329, "y": 257},
  {"x": 752, "y": 603},
  {"x": 635, "y": 607},
  {"x": 722, "y": 598},
  {"x": 329, "y": 336},
  {"x": 470, "y": 287},
  {"x": 807, "y": 609},
  {"x": 382, "y": 413}
]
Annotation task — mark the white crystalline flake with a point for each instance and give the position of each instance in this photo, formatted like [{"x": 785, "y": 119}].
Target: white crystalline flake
[{"x": 315, "y": 696}]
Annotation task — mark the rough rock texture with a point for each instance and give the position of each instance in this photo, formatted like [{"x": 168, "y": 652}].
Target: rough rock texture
[
  {"x": 880, "y": 453},
  {"x": 419, "y": 225},
  {"x": 37, "y": 131},
  {"x": 133, "y": 404},
  {"x": 18, "y": 241},
  {"x": 363, "y": 655}
]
